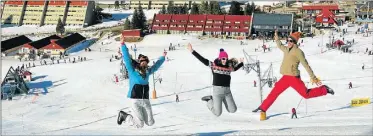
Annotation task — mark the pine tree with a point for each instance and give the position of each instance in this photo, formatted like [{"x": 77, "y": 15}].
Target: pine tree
[
  {"x": 163, "y": 10},
  {"x": 170, "y": 7},
  {"x": 141, "y": 18},
  {"x": 235, "y": 8},
  {"x": 202, "y": 8},
  {"x": 207, "y": 8},
  {"x": 150, "y": 5},
  {"x": 127, "y": 24},
  {"x": 177, "y": 10},
  {"x": 253, "y": 7},
  {"x": 60, "y": 28},
  {"x": 248, "y": 10},
  {"x": 185, "y": 9},
  {"x": 215, "y": 8},
  {"x": 135, "y": 20},
  {"x": 116, "y": 4},
  {"x": 194, "y": 10}
]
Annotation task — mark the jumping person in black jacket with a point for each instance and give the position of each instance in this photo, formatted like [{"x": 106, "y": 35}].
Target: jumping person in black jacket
[{"x": 221, "y": 69}]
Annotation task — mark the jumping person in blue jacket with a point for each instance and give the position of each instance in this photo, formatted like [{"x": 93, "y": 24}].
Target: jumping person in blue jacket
[{"x": 139, "y": 89}]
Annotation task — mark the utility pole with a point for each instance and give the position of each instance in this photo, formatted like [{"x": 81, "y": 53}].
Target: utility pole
[
  {"x": 252, "y": 64},
  {"x": 260, "y": 81}
]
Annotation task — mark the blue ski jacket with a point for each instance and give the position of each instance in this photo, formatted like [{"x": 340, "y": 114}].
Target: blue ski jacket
[{"x": 138, "y": 85}]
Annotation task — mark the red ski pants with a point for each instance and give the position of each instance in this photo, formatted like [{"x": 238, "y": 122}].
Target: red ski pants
[{"x": 297, "y": 84}]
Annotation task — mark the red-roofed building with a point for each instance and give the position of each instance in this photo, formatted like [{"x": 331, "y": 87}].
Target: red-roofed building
[
  {"x": 53, "y": 48},
  {"x": 214, "y": 24},
  {"x": 178, "y": 24},
  {"x": 325, "y": 17},
  {"x": 131, "y": 33},
  {"x": 196, "y": 23},
  {"x": 161, "y": 23},
  {"x": 237, "y": 25},
  {"x": 315, "y": 9}
]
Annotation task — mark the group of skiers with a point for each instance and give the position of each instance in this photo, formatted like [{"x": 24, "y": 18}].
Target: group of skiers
[
  {"x": 172, "y": 48},
  {"x": 221, "y": 69}
]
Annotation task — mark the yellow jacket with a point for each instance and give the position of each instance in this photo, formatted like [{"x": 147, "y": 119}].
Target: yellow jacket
[{"x": 291, "y": 60}]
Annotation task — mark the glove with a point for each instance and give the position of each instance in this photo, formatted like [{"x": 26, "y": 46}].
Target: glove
[{"x": 315, "y": 80}]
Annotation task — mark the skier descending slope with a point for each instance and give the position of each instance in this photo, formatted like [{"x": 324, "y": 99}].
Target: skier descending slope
[
  {"x": 221, "y": 69},
  {"x": 291, "y": 75},
  {"x": 139, "y": 89}
]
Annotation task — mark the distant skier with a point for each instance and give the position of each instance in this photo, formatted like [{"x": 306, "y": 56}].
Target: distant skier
[
  {"x": 362, "y": 67},
  {"x": 254, "y": 83},
  {"x": 291, "y": 74},
  {"x": 349, "y": 85},
  {"x": 294, "y": 113},
  {"x": 177, "y": 98},
  {"x": 160, "y": 80},
  {"x": 221, "y": 70},
  {"x": 139, "y": 89}
]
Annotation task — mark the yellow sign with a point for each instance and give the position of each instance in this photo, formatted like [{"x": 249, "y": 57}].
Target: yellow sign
[{"x": 360, "y": 102}]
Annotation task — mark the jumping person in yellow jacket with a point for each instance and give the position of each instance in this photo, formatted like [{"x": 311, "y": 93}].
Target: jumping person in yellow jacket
[{"x": 291, "y": 75}]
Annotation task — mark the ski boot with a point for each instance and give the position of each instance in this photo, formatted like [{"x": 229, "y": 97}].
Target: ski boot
[
  {"x": 121, "y": 117},
  {"x": 207, "y": 98},
  {"x": 258, "y": 109},
  {"x": 329, "y": 90}
]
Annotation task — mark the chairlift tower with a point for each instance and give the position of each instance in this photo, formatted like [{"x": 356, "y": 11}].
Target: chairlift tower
[{"x": 266, "y": 78}]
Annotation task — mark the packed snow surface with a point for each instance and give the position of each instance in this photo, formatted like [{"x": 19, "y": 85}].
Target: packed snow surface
[{"x": 83, "y": 98}]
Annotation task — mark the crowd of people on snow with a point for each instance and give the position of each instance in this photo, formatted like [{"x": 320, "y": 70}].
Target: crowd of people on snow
[{"x": 221, "y": 68}]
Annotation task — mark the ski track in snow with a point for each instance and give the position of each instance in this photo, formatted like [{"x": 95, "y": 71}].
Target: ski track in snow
[{"x": 83, "y": 98}]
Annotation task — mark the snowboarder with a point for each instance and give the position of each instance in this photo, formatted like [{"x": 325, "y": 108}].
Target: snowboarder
[
  {"x": 177, "y": 98},
  {"x": 294, "y": 113},
  {"x": 291, "y": 74},
  {"x": 139, "y": 89},
  {"x": 221, "y": 69},
  {"x": 349, "y": 85},
  {"x": 254, "y": 83}
]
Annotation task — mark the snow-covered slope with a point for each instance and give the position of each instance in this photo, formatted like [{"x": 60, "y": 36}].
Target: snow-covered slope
[{"x": 83, "y": 99}]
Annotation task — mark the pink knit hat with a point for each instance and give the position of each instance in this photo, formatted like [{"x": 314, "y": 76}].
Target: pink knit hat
[{"x": 223, "y": 54}]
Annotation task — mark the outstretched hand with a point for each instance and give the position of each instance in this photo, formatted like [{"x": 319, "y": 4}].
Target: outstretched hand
[
  {"x": 242, "y": 59},
  {"x": 276, "y": 35},
  {"x": 122, "y": 40},
  {"x": 189, "y": 47},
  {"x": 316, "y": 81}
]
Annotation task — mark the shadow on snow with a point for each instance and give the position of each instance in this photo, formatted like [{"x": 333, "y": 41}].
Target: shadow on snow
[{"x": 215, "y": 133}]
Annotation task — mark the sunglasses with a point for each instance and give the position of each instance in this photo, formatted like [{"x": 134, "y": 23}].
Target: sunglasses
[
  {"x": 144, "y": 58},
  {"x": 290, "y": 40},
  {"x": 224, "y": 59}
]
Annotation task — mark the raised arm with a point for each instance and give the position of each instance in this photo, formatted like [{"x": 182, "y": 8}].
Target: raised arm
[
  {"x": 198, "y": 56},
  {"x": 278, "y": 42},
  {"x": 238, "y": 66},
  {"x": 157, "y": 65},
  {"x": 126, "y": 58},
  {"x": 303, "y": 60}
]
